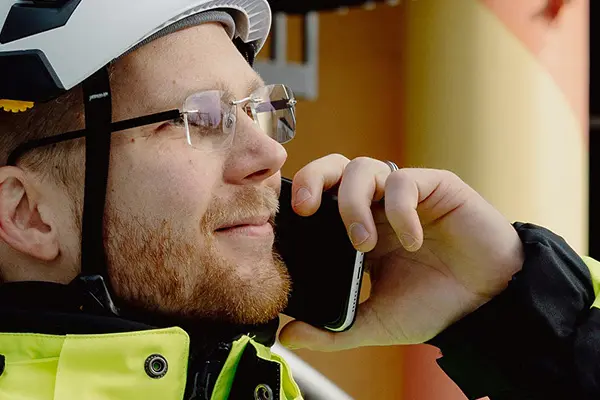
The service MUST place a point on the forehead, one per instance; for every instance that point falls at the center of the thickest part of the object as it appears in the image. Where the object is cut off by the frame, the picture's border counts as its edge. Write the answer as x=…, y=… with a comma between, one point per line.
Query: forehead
x=160, y=75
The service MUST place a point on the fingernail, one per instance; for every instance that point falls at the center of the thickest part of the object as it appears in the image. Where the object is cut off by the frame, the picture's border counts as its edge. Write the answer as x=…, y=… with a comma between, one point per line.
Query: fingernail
x=301, y=196
x=409, y=242
x=358, y=234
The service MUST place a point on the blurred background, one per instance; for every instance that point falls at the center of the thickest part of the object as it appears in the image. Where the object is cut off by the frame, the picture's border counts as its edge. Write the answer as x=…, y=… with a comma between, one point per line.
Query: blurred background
x=497, y=91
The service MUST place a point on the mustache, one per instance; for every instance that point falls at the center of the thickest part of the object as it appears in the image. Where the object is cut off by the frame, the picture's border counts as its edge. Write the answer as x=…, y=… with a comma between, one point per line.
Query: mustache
x=247, y=203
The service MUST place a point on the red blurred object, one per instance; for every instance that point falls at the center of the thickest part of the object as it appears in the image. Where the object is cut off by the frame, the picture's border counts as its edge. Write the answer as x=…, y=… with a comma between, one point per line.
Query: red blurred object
x=552, y=9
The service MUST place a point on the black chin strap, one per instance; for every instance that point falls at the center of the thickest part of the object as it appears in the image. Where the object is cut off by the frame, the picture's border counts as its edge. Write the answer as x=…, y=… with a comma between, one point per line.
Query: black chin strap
x=98, y=118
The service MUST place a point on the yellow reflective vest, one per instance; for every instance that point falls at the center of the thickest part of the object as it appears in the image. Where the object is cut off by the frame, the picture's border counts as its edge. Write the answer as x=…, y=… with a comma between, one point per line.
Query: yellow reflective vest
x=125, y=366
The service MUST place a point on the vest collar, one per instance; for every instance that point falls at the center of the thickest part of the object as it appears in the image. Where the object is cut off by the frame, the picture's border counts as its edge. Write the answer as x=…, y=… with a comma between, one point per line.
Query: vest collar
x=51, y=308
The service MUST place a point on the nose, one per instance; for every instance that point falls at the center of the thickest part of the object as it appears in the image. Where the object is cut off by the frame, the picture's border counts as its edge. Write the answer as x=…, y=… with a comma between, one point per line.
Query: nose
x=254, y=156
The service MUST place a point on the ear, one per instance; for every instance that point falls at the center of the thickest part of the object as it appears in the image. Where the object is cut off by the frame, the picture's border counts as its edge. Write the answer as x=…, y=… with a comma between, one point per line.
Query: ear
x=21, y=225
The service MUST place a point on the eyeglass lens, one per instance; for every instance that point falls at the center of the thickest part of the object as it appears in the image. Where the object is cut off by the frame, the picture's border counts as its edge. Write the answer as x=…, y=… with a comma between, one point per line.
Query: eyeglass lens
x=211, y=119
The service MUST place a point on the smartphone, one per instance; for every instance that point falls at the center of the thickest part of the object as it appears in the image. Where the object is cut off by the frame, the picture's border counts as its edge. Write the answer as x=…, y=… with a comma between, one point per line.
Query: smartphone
x=325, y=269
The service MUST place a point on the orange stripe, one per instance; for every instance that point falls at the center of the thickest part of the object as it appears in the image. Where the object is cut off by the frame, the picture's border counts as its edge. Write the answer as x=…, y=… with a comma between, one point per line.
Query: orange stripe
x=561, y=46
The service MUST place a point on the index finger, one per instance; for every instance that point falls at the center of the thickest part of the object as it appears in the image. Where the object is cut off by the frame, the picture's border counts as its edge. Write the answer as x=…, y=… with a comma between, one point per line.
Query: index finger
x=312, y=180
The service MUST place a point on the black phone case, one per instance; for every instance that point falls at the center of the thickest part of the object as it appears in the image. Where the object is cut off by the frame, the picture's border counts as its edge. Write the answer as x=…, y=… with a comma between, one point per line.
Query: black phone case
x=320, y=259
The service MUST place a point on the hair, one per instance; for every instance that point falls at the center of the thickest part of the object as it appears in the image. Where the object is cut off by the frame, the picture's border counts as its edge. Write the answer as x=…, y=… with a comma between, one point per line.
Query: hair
x=43, y=120
x=61, y=162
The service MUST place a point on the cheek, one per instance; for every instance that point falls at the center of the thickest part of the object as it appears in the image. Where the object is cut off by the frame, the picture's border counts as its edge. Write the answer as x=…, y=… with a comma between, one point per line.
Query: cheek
x=162, y=183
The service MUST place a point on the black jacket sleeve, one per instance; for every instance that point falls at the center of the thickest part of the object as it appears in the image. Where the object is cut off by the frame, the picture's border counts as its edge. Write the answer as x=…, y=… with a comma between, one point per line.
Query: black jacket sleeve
x=539, y=339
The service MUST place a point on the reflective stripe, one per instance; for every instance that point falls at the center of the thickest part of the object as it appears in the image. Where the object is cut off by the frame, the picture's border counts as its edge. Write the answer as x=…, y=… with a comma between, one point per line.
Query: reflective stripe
x=594, y=267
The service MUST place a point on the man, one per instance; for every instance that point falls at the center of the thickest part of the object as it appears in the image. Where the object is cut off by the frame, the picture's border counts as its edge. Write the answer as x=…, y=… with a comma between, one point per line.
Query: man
x=113, y=235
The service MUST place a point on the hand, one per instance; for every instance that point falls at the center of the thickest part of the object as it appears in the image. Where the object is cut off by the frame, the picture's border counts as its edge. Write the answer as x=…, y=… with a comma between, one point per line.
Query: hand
x=437, y=250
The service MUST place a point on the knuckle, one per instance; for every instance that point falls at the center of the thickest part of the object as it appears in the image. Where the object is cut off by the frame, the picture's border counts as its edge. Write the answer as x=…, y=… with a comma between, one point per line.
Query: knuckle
x=402, y=175
x=339, y=158
x=364, y=161
x=359, y=163
x=450, y=176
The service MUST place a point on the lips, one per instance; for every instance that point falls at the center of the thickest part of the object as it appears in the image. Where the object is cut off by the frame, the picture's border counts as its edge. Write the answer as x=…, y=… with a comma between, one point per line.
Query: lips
x=258, y=220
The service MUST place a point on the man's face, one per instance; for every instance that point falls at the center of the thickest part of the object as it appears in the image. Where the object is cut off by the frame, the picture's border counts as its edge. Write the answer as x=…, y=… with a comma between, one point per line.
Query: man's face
x=189, y=230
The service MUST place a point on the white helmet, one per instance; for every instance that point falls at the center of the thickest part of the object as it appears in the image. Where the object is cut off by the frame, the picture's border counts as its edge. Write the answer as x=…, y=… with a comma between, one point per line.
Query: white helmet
x=49, y=46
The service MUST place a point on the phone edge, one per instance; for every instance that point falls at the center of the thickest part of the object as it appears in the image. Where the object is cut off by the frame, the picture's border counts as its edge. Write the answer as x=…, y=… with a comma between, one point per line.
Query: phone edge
x=354, y=294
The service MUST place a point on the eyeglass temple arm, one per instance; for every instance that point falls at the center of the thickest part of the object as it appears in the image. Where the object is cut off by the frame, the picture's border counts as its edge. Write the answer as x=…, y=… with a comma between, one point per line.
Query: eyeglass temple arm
x=275, y=105
x=115, y=127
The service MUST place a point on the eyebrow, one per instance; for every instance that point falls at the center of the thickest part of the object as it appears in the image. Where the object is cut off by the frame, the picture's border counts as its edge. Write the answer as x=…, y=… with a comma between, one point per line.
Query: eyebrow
x=255, y=84
x=251, y=86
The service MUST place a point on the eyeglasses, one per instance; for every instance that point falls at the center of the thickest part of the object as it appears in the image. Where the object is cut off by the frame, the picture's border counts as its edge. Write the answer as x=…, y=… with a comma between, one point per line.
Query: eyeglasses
x=210, y=119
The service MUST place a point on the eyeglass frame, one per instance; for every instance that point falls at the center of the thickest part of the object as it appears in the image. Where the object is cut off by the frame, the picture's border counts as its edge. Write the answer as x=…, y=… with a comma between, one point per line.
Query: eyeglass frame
x=131, y=123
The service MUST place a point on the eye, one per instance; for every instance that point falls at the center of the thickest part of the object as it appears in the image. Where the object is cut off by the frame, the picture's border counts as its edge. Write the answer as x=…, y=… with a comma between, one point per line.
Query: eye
x=178, y=121
x=208, y=120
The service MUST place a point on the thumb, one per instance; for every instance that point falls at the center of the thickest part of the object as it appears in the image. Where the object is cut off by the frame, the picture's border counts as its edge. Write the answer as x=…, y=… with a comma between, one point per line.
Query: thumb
x=366, y=331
